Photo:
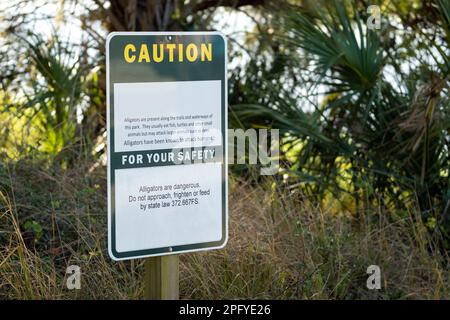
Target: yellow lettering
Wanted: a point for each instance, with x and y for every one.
(143, 54)
(167, 52)
(180, 52)
(126, 53)
(206, 51)
(157, 58)
(191, 52)
(170, 47)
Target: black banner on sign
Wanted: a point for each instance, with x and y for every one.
(167, 157)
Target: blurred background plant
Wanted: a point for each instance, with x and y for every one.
(379, 130)
(364, 116)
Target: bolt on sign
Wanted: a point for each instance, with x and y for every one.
(167, 116)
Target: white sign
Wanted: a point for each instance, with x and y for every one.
(167, 120)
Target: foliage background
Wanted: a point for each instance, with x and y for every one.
(364, 174)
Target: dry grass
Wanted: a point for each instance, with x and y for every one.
(281, 246)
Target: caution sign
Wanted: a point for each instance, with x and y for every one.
(167, 120)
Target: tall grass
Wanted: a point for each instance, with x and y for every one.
(282, 245)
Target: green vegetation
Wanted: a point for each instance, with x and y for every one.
(281, 246)
(364, 117)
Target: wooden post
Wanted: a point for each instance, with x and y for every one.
(162, 278)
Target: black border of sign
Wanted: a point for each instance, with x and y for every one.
(113, 253)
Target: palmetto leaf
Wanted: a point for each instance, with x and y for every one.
(444, 9)
(351, 63)
(56, 89)
(390, 136)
